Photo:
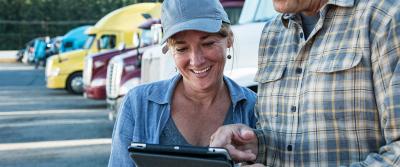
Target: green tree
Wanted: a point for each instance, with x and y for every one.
(23, 20)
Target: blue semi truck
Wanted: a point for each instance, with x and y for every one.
(74, 39)
(45, 47)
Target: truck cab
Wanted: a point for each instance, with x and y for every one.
(95, 70)
(119, 26)
(124, 70)
(74, 39)
(242, 68)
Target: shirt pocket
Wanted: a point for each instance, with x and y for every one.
(269, 78)
(270, 72)
(335, 75)
(331, 62)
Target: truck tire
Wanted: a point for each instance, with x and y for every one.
(75, 83)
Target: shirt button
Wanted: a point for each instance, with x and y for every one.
(301, 35)
(299, 70)
(289, 147)
(293, 109)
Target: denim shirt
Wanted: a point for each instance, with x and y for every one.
(146, 109)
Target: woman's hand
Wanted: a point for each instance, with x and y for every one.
(240, 141)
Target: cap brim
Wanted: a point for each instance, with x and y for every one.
(164, 49)
(210, 25)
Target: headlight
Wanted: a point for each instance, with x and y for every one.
(98, 64)
(129, 68)
(49, 66)
(98, 82)
(128, 85)
(53, 72)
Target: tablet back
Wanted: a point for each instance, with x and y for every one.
(150, 155)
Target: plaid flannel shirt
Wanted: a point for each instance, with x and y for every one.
(333, 99)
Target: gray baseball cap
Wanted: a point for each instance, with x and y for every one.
(201, 15)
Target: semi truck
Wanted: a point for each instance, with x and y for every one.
(74, 39)
(114, 29)
(95, 71)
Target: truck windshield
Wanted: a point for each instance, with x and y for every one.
(89, 41)
(257, 11)
(107, 41)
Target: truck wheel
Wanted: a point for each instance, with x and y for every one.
(75, 83)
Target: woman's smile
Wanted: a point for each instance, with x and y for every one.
(201, 72)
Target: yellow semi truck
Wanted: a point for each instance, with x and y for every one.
(118, 28)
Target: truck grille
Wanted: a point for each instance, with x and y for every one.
(87, 71)
(114, 73)
(148, 73)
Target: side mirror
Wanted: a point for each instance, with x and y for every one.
(138, 63)
(156, 31)
(136, 40)
(98, 45)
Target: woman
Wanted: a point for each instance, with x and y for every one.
(188, 108)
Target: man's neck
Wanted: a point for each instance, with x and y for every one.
(315, 7)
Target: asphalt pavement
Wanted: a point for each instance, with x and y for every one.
(44, 127)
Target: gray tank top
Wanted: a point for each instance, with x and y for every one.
(170, 135)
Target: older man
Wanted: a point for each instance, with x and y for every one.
(329, 87)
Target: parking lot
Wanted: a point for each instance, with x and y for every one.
(45, 127)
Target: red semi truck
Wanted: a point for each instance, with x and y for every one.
(95, 70)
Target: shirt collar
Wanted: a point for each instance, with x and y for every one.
(163, 94)
(342, 3)
(286, 17)
(159, 97)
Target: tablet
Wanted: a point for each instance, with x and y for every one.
(155, 155)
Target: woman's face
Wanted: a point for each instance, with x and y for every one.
(200, 58)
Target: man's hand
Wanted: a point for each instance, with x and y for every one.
(238, 139)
